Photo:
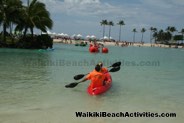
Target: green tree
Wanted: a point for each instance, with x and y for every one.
(8, 12)
(34, 15)
(120, 23)
(163, 37)
(151, 34)
(171, 29)
(182, 32)
(103, 23)
(110, 23)
(155, 35)
(143, 30)
(168, 29)
(134, 31)
(154, 31)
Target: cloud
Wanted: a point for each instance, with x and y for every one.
(135, 13)
(81, 2)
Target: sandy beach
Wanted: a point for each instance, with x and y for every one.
(122, 44)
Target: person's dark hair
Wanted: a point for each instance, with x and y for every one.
(101, 64)
(97, 67)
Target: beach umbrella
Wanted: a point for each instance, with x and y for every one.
(66, 35)
(105, 37)
(43, 33)
(93, 37)
(88, 37)
(49, 33)
(75, 37)
(61, 34)
(79, 36)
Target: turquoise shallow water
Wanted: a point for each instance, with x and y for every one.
(32, 84)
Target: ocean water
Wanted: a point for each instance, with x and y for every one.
(32, 85)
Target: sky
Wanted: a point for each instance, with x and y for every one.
(84, 16)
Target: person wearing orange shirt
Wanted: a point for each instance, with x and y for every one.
(96, 76)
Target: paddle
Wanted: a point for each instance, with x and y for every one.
(80, 76)
(115, 64)
(72, 85)
(115, 69)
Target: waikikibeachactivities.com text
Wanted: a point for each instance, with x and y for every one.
(84, 62)
(124, 114)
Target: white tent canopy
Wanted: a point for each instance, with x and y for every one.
(105, 37)
(79, 36)
(93, 37)
(88, 37)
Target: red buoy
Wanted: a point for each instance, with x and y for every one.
(105, 50)
(93, 49)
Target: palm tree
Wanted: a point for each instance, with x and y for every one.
(8, 11)
(142, 31)
(155, 36)
(120, 23)
(134, 31)
(171, 29)
(34, 15)
(151, 31)
(163, 37)
(103, 23)
(182, 32)
(168, 29)
(154, 31)
(110, 23)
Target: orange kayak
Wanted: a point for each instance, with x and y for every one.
(101, 89)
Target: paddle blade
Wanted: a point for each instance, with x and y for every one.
(80, 76)
(115, 69)
(72, 85)
(116, 64)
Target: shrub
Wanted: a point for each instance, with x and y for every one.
(36, 42)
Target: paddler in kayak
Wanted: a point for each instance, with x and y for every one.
(103, 69)
(97, 76)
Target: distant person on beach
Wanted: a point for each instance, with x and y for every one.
(117, 43)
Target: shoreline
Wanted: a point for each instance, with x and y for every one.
(121, 44)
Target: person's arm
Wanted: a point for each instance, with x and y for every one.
(85, 79)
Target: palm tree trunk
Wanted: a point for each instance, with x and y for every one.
(11, 27)
(150, 37)
(103, 31)
(4, 32)
(134, 37)
(25, 31)
(142, 38)
(109, 32)
(31, 29)
(4, 28)
(120, 33)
